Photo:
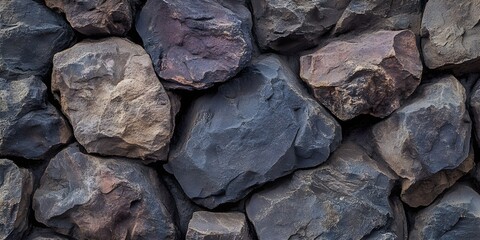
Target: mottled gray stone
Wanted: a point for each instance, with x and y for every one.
(218, 226)
(45, 234)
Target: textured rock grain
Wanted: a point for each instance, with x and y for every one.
(218, 226)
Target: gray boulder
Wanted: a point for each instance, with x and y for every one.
(218, 226)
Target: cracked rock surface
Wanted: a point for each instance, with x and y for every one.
(218, 226)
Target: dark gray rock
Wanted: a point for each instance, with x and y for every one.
(16, 188)
(30, 34)
(430, 133)
(88, 197)
(97, 17)
(218, 226)
(345, 198)
(30, 127)
(288, 26)
(256, 128)
(475, 109)
(450, 35)
(44, 234)
(456, 215)
(195, 44)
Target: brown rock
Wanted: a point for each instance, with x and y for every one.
(88, 197)
(372, 74)
(219, 226)
(113, 99)
(97, 17)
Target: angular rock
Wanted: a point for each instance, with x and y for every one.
(30, 127)
(256, 128)
(30, 34)
(372, 74)
(456, 215)
(289, 26)
(44, 234)
(195, 44)
(475, 108)
(219, 226)
(97, 17)
(109, 91)
(16, 188)
(345, 198)
(450, 35)
(88, 197)
(427, 135)
(371, 15)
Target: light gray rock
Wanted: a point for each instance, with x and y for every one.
(218, 226)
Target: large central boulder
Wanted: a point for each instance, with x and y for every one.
(256, 128)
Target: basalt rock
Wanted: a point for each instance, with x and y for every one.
(88, 197)
(30, 127)
(218, 226)
(195, 44)
(256, 128)
(97, 17)
(30, 34)
(427, 135)
(109, 91)
(372, 74)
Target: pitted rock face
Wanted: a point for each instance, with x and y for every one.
(195, 44)
(117, 106)
(88, 197)
(372, 74)
(430, 133)
(30, 34)
(97, 17)
(30, 127)
(256, 128)
(219, 226)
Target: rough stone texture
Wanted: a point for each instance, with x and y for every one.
(256, 128)
(380, 14)
(30, 127)
(117, 106)
(97, 17)
(450, 34)
(218, 226)
(345, 198)
(30, 34)
(15, 189)
(288, 26)
(195, 44)
(456, 215)
(371, 74)
(430, 133)
(88, 197)
(44, 234)
(475, 109)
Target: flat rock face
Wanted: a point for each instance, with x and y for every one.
(16, 188)
(288, 26)
(256, 128)
(219, 226)
(450, 34)
(30, 127)
(97, 17)
(372, 74)
(88, 197)
(456, 215)
(113, 99)
(44, 234)
(430, 133)
(345, 198)
(195, 44)
(30, 34)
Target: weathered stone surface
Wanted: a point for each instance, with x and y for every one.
(345, 198)
(44, 234)
(372, 74)
(256, 128)
(195, 44)
(450, 34)
(97, 17)
(15, 188)
(219, 226)
(30, 34)
(475, 108)
(117, 106)
(371, 15)
(88, 197)
(430, 133)
(456, 215)
(288, 26)
(30, 127)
